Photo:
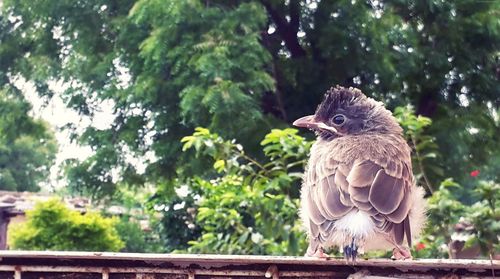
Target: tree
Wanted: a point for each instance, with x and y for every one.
(52, 226)
(27, 146)
(242, 67)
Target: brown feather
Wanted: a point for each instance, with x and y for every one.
(369, 171)
(407, 229)
(344, 169)
(378, 218)
(391, 168)
(322, 192)
(329, 198)
(359, 193)
(386, 192)
(372, 211)
(406, 173)
(387, 226)
(363, 173)
(399, 233)
(398, 215)
(340, 180)
(364, 206)
(313, 212)
(326, 228)
(314, 229)
(345, 198)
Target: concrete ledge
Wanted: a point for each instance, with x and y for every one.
(49, 264)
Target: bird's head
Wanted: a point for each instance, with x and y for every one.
(347, 111)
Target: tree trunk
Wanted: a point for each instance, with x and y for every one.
(427, 105)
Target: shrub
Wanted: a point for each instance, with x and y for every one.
(249, 207)
(53, 226)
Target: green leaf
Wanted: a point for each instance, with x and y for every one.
(219, 165)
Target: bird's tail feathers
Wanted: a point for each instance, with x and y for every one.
(418, 213)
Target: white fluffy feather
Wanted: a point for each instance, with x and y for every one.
(356, 223)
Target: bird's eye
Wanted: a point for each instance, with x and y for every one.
(338, 119)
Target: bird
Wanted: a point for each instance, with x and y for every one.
(358, 191)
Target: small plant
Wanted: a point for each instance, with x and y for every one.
(425, 150)
(450, 221)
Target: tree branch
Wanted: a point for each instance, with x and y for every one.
(287, 31)
(427, 105)
(277, 105)
(294, 8)
(279, 94)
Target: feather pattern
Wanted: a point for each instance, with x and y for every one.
(339, 180)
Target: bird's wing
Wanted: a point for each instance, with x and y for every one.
(326, 198)
(379, 188)
(382, 189)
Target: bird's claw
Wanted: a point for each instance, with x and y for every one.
(320, 254)
(401, 254)
(317, 254)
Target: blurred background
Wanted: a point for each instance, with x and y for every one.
(164, 126)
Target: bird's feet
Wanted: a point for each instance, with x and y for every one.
(320, 254)
(401, 253)
(317, 254)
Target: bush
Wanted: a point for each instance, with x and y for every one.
(246, 206)
(447, 213)
(52, 226)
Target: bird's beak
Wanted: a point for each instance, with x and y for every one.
(306, 122)
(310, 123)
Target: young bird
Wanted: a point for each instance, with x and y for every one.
(358, 191)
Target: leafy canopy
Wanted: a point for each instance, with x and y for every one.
(243, 67)
(27, 146)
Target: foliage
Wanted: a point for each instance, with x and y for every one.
(166, 65)
(425, 153)
(445, 211)
(134, 222)
(135, 239)
(52, 226)
(242, 67)
(485, 217)
(132, 236)
(27, 146)
(248, 207)
(174, 214)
